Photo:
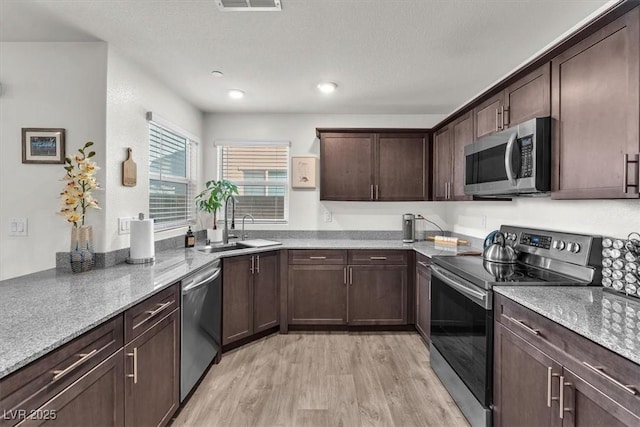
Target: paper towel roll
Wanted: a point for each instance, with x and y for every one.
(142, 245)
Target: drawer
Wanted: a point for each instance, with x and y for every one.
(317, 256)
(375, 257)
(33, 385)
(606, 371)
(423, 262)
(142, 316)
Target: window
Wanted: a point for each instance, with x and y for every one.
(171, 168)
(261, 172)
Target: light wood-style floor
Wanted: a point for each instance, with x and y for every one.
(323, 379)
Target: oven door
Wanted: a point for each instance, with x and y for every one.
(462, 330)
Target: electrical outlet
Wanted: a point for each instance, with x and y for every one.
(124, 225)
(327, 216)
(18, 227)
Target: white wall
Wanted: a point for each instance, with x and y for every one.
(306, 211)
(57, 85)
(607, 217)
(131, 93)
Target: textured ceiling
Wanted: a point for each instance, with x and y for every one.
(387, 56)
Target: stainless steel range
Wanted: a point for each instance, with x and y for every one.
(462, 305)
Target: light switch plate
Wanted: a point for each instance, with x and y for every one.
(124, 225)
(327, 216)
(18, 227)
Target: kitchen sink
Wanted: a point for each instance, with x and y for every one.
(217, 248)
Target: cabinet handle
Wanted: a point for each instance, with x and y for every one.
(161, 307)
(625, 172)
(258, 264)
(600, 371)
(524, 326)
(561, 398)
(135, 365)
(317, 257)
(424, 264)
(350, 276)
(497, 120)
(371, 192)
(57, 374)
(378, 258)
(550, 375)
(505, 122)
(252, 269)
(429, 290)
(377, 192)
(345, 275)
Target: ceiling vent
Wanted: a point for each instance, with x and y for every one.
(249, 5)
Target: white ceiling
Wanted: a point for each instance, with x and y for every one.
(387, 56)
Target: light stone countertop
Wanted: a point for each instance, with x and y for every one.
(608, 319)
(42, 311)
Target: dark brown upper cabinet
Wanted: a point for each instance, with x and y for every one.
(384, 165)
(528, 98)
(488, 116)
(596, 110)
(448, 159)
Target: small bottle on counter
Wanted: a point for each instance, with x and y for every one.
(189, 239)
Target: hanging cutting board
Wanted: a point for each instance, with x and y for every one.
(129, 171)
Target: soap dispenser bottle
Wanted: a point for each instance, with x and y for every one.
(189, 239)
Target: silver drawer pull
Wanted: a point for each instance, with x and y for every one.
(159, 309)
(524, 326)
(600, 371)
(57, 374)
(378, 258)
(550, 375)
(317, 257)
(135, 365)
(424, 264)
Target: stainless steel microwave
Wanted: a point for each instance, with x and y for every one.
(515, 161)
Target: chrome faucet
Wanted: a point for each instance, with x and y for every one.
(225, 232)
(245, 235)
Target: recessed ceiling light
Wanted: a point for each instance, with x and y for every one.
(236, 94)
(217, 73)
(327, 87)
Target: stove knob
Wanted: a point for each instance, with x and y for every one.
(558, 244)
(573, 247)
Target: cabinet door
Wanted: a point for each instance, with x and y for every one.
(488, 116)
(423, 300)
(585, 405)
(596, 112)
(529, 97)
(402, 169)
(346, 166)
(317, 295)
(462, 136)
(96, 399)
(266, 298)
(442, 164)
(525, 383)
(377, 295)
(237, 299)
(152, 366)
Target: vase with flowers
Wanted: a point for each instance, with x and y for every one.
(211, 199)
(76, 199)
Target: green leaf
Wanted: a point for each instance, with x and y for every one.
(88, 144)
(91, 154)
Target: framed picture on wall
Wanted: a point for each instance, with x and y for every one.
(303, 172)
(42, 145)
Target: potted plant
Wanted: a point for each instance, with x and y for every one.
(211, 199)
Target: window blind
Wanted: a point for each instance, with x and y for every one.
(261, 172)
(172, 163)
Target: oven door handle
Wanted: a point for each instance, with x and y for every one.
(463, 286)
(508, 163)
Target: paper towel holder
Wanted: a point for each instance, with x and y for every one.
(150, 260)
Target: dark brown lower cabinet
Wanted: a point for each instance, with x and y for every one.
(317, 295)
(250, 297)
(547, 375)
(377, 295)
(525, 385)
(152, 374)
(423, 297)
(93, 400)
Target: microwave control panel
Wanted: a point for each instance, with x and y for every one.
(526, 156)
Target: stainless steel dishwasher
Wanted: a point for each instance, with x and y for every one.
(200, 340)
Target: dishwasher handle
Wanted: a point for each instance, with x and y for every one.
(193, 286)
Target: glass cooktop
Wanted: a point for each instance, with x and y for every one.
(487, 274)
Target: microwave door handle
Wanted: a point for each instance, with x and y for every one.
(508, 164)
